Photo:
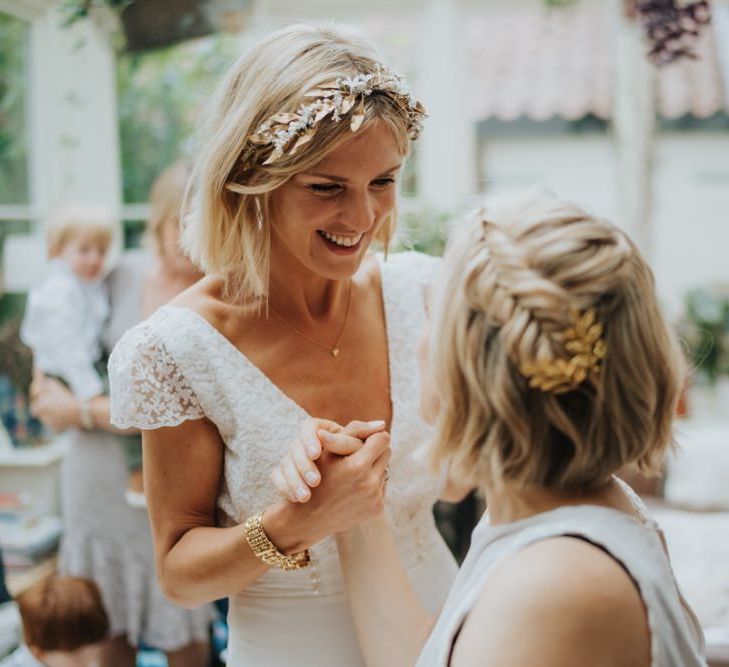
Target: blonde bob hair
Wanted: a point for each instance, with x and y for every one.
(227, 231)
(79, 221)
(514, 274)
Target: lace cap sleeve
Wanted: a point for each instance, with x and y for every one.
(148, 390)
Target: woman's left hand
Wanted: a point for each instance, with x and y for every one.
(297, 473)
(54, 404)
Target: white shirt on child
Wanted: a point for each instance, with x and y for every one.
(64, 318)
(21, 657)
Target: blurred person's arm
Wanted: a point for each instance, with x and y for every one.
(57, 407)
(391, 622)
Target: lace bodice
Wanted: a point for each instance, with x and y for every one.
(175, 366)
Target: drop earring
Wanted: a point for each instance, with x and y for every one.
(259, 214)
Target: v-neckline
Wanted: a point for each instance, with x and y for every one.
(276, 389)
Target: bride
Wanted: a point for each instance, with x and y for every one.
(296, 180)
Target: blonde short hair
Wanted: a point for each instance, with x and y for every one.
(513, 276)
(165, 201)
(222, 233)
(72, 222)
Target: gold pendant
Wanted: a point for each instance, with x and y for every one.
(335, 352)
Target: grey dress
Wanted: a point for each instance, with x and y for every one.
(637, 544)
(105, 539)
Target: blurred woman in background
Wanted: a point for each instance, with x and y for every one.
(105, 539)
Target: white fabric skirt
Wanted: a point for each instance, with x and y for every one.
(318, 631)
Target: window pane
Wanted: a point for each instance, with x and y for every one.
(160, 95)
(13, 100)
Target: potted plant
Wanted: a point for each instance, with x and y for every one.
(704, 332)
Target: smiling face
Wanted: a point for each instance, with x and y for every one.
(325, 218)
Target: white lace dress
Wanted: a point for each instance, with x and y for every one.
(176, 366)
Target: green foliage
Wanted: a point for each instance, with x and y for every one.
(705, 331)
(160, 96)
(13, 95)
(77, 10)
(425, 231)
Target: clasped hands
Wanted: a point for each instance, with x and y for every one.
(348, 465)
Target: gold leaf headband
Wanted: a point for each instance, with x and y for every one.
(584, 341)
(288, 132)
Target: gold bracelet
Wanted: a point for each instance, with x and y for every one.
(266, 550)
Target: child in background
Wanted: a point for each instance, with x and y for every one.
(64, 623)
(66, 312)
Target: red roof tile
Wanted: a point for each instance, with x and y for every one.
(561, 63)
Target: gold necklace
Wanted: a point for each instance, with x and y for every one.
(334, 351)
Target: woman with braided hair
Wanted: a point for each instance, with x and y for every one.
(548, 367)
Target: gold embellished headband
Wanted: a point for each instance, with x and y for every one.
(288, 132)
(585, 343)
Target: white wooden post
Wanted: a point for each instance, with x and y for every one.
(446, 151)
(72, 127)
(74, 135)
(634, 123)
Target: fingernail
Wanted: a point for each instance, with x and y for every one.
(302, 493)
(311, 477)
(312, 451)
(379, 423)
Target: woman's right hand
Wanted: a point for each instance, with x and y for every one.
(297, 472)
(351, 490)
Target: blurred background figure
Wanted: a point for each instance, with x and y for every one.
(64, 625)
(66, 313)
(104, 538)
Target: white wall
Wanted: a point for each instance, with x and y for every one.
(578, 168)
(691, 214)
(690, 244)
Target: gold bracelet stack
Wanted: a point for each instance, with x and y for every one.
(266, 550)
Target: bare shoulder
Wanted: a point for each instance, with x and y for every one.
(201, 296)
(558, 602)
(206, 299)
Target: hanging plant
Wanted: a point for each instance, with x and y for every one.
(154, 24)
(672, 27)
(78, 10)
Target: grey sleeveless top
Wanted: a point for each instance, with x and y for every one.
(636, 544)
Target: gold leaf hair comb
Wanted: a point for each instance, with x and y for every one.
(583, 340)
(288, 132)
